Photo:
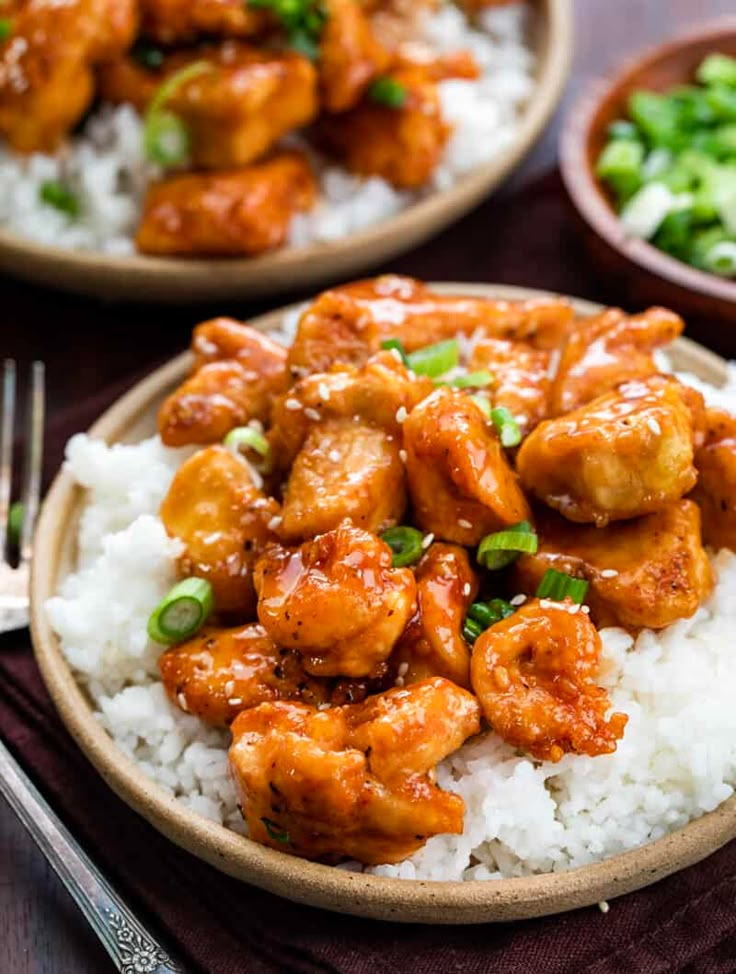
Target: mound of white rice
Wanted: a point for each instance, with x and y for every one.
(677, 759)
(108, 172)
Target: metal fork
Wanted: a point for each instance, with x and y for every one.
(131, 947)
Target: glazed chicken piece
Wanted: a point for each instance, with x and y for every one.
(715, 491)
(626, 453)
(645, 573)
(237, 372)
(520, 378)
(534, 676)
(344, 470)
(223, 519)
(336, 600)
(181, 21)
(350, 57)
(219, 672)
(379, 394)
(608, 349)
(401, 144)
(240, 212)
(347, 324)
(46, 64)
(460, 483)
(235, 109)
(352, 782)
(432, 644)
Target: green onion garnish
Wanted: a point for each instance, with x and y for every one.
(248, 437)
(301, 20)
(498, 550)
(165, 135)
(147, 54)
(721, 259)
(473, 380)
(406, 545)
(395, 344)
(718, 69)
(59, 196)
(388, 92)
(558, 586)
(182, 612)
(275, 831)
(506, 425)
(489, 613)
(435, 360)
(15, 522)
(6, 28)
(484, 404)
(471, 630)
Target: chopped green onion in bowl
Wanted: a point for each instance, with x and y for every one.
(406, 544)
(182, 612)
(558, 586)
(500, 549)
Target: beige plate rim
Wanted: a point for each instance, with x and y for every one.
(175, 280)
(296, 879)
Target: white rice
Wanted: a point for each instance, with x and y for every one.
(107, 170)
(677, 759)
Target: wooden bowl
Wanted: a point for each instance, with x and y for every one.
(643, 273)
(178, 281)
(132, 418)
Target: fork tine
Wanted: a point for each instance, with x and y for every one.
(33, 459)
(6, 449)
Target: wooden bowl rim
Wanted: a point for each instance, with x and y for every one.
(318, 885)
(583, 186)
(93, 272)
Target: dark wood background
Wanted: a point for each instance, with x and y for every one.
(88, 347)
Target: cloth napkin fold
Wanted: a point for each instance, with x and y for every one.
(686, 923)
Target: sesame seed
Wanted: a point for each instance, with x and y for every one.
(324, 706)
(400, 681)
(229, 688)
(585, 610)
(467, 589)
(609, 573)
(396, 354)
(275, 522)
(293, 404)
(312, 414)
(235, 701)
(403, 669)
(402, 455)
(427, 541)
(323, 390)
(334, 455)
(573, 609)
(654, 426)
(518, 600)
(401, 414)
(182, 701)
(464, 523)
(603, 906)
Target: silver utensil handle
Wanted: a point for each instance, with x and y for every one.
(131, 947)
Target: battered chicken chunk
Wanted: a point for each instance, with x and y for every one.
(520, 378)
(645, 573)
(214, 507)
(239, 212)
(716, 488)
(350, 57)
(627, 453)
(178, 21)
(608, 349)
(237, 372)
(46, 64)
(348, 324)
(460, 483)
(344, 470)
(336, 600)
(401, 144)
(432, 644)
(378, 394)
(352, 782)
(220, 672)
(534, 675)
(235, 109)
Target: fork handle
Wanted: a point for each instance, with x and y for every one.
(131, 947)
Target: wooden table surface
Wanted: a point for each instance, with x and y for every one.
(41, 931)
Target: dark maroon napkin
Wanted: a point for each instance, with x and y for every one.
(686, 923)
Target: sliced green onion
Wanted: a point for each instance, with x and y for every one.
(248, 437)
(484, 404)
(15, 522)
(558, 586)
(406, 545)
(302, 21)
(721, 259)
(182, 612)
(498, 550)
(147, 54)
(489, 613)
(165, 136)
(435, 360)
(6, 28)
(395, 344)
(275, 831)
(471, 630)
(473, 380)
(59, 196)
(620, 165)
(717, 69)
(621, 129)
(506, 426)
(388, 92)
